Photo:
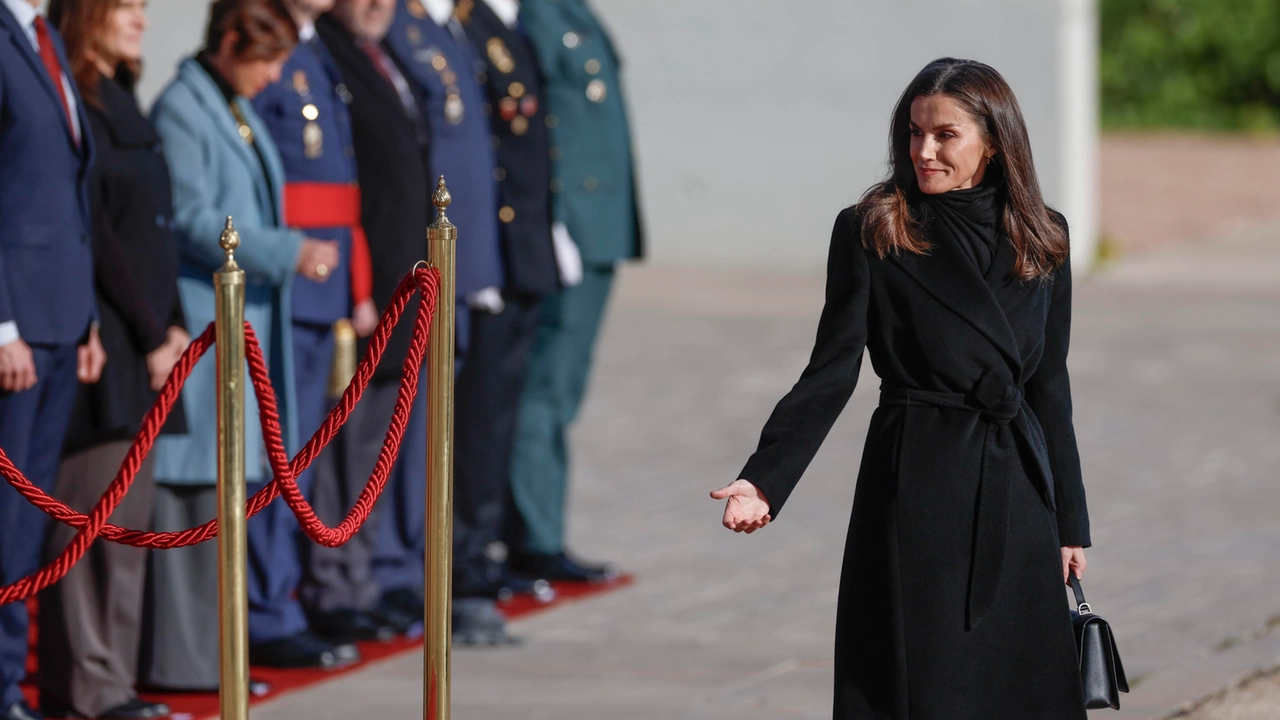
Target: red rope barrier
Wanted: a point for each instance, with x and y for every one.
(94, 525)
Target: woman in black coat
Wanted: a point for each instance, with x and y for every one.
(90, 622)
(969, 509)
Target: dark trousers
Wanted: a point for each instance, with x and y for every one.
(342, 577)
(33, 424)
(275, 557)
(553, 392)
(487, 402)
(400, 538)
(90, 622)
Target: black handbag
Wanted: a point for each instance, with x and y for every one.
(1101, 674)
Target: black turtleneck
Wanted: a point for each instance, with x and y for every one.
(970, 218)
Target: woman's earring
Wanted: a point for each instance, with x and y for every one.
(991, 159)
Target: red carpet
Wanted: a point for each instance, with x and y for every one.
(204, 706)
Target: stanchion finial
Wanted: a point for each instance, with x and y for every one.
(441, 198)
(229, 241)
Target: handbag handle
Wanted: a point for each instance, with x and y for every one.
(1082, 607)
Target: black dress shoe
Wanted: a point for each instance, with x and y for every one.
(303, 650)
(401, 623)
(21, 711)
(498, 582)
(136, 709)
(349, 626)
(477, 622)
(405, 601)
(559, 567)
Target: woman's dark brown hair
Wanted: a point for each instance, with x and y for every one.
(887, 223)
(264, 28)
(81, 22)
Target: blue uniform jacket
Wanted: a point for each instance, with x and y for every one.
(215, 173)
(308, 120)
(444, 67)
(46, 264)
(594, 172)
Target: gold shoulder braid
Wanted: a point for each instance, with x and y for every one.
(246, 132)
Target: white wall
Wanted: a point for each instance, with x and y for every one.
(756, 122)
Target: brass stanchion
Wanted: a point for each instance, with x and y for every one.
(442, 239)
(233, 599)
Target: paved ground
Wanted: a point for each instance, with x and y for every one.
(1176, 369)
(1163, 189)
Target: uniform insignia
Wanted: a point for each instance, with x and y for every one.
(507, 108)
(529, 106)
(454, 110)
(597, 91)
(500, 55)
(300, 82)
(312, 140)
(516, 90)
(414, 35)
(439, 61)
(310, 111)
(416, 8)
(520, 125)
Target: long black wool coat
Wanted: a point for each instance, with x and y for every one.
(952, 604)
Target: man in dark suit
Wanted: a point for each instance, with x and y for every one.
(492, 378)
(390, 134)
(48, 339)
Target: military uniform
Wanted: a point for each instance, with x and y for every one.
(307, 117)
(440, 61)
(594, 195)
(492, 379)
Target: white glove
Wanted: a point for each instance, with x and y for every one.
(568, 257)
(489, 300)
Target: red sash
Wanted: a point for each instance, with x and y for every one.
(325, 205)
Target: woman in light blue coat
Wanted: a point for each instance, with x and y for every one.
(223, 163)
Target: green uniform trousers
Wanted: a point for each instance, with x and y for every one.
(554, 388)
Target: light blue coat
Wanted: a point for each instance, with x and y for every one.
(215, 174)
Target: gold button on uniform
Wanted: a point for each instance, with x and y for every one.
(592, 67)
(571, 40)
(506, 214)
(520, 125)
(591, 184)
(516, 90)
(597, 91)
(439, 62)
(310, 111)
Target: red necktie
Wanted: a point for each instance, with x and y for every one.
(54, 68)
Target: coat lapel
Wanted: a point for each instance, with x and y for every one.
(950, 278)
(270, 159)
(18, 36)
(211, 97)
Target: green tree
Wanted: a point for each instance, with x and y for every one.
(1190, 63)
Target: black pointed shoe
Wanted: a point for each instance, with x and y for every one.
(560, 567)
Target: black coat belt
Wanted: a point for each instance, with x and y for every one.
(1010, 423)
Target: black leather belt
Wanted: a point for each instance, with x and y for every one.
(1011, 421)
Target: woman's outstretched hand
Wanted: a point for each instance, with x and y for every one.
(747, 509)
(1073, 559)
